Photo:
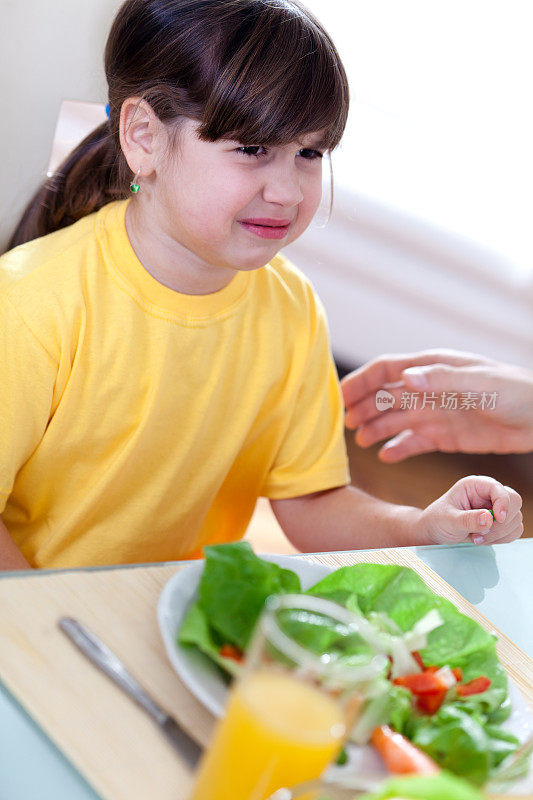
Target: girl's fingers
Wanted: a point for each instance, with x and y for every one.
(500, 533)
(481, 489)
(476, 522)
(499, 498)
(505, 510)
(464, 512)
(515, 501)
(515, 533)
(500, 510)
(511, 537)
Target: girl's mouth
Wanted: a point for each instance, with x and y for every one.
(266, 231)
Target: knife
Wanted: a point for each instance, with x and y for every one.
(104, 658)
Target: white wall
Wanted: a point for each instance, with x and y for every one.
(394, 283)
(50, 50)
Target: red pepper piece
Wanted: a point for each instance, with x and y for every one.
(231, 651)
(428, 687)
(457, 671)
(418, 658)
(475, 686)
(431, 702)
(426, 682)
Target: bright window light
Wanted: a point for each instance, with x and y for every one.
(441, 120)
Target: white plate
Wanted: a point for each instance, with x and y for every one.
(204, 680)
(195, 669)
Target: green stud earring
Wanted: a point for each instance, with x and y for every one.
(134, 186)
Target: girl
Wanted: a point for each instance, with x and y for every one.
(163, 365)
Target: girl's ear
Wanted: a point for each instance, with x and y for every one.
(140, 135)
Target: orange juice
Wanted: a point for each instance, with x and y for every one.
(277, 731)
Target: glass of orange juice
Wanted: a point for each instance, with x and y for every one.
(294, 703)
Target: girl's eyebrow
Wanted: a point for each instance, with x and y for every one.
(318, 141)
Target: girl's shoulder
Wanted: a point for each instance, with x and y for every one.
(47, 283)
(48, 261)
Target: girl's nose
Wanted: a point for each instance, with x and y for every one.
(283, 187)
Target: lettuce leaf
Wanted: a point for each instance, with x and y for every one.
(421, 787)
(462, 743)
(195, 631)
(233, 588)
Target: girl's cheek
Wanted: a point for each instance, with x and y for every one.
(210, 224)
(316, 194)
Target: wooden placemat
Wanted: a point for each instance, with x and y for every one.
(105, 735)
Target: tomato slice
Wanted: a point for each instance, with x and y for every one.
(475, 686)
(458, 673)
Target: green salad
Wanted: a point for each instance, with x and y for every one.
(426, 638)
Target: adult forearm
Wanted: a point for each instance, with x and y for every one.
(11, 557)
(348, 519)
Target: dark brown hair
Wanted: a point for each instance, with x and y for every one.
(262, 72)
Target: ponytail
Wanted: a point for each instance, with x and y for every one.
(89, 177)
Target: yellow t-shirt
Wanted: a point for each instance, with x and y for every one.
(138, 424)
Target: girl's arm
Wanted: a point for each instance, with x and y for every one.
(347, 518)
(10, 555)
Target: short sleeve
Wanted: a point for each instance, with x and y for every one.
(312, 456)
(28, 375)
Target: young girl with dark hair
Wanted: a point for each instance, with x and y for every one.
(163, 365)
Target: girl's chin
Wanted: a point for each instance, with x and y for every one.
(252, 264)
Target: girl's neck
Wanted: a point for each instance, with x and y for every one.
(168, 261)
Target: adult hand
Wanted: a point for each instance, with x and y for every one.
(443, 400)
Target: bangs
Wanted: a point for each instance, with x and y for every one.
(278, 76)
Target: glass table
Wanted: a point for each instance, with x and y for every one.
(497, 580)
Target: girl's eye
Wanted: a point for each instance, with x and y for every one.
(245, 150)
(309, 155)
